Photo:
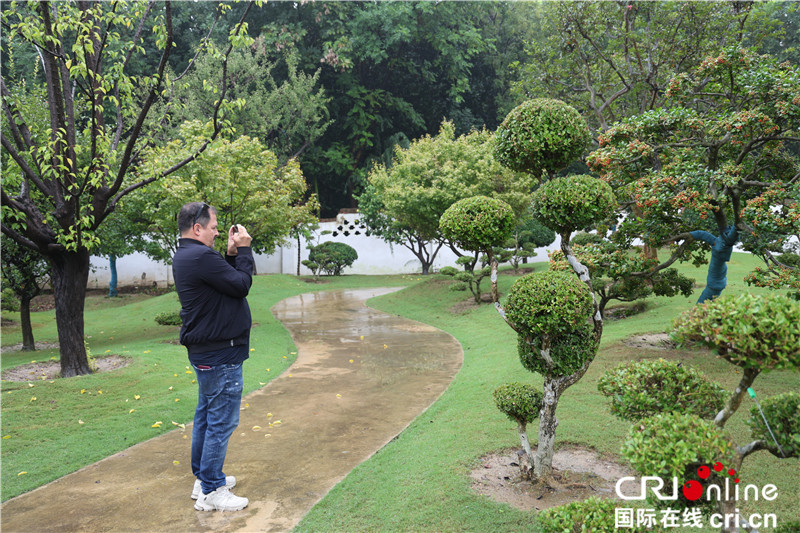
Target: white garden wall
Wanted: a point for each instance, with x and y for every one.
(375, 256)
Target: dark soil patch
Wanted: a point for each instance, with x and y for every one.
(315, 281)
(579, 473)
(521, 271)
(42, 370)
(619, 312)
(469, 304)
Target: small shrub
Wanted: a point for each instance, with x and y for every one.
(9, 300)
(169, 318)
(783, 414)
(674, 444)
(518, 401)
(594, 515)
(641, 389)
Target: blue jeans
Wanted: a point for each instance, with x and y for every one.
(217, 415)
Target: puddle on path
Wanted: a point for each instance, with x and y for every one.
(333, 414)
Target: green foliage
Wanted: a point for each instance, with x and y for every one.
(527, 236)
(593, 515)
(520, 402)
(788, 527)
(646, 388)
(621, 274)
(568, 352)
(541, 137)
(9, 300)
(169, 318)
(674, 444)
(660, 164)
(570, 203)
(584, 238)
(783, 414)
(548, 303)
(752, 331)
(404, 200)
(478, 223)
(332, 257)
(241, 179)
(469, 278)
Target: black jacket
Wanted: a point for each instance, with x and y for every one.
(212, 291)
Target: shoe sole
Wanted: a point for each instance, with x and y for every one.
(199, 507)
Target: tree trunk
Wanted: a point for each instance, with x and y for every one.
(543, 458)
(69, 275)
(425, 267)
(112, 283)
(495, 292)
(28, 344)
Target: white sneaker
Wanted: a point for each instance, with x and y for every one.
(230, 482)
(221, 499)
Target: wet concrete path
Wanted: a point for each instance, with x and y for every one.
(360, 378)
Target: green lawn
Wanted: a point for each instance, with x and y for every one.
(419, 481)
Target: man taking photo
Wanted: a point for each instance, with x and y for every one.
(216, 332)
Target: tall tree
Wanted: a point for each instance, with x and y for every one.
(612, 60)
(73, 166)
(718, 166)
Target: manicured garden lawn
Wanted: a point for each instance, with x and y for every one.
(418, 482)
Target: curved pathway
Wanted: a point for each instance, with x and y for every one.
(360, 378)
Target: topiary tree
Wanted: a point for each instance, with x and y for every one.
(541, 137)
(25, 274)
(330, 257)
(479, 224)
(550, 313)
(755, 333)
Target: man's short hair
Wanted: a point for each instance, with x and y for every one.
(194, 213)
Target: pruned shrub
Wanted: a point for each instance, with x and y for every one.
(569, 352)
(645, 388)
(758, 332)
(518, 401)
(478, 223)
(551, 303)
(783, 414)
(169, 318)
(674, 445)
(573, 202)
(541, 136)
(594, 515)
(330, 257)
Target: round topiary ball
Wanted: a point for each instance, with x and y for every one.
(541, 135)
(478, 223)
(573, 202)
(568, 352)
(518, 401)
(548, 303)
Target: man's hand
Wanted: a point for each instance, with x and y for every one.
(237, 236)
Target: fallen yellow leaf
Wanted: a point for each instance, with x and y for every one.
(136, 396)
(338, 395)
(188, 372)
(99, 392)
(256, 428)
(30, 384)
(268, 435)
(351, 360)
(176, 462)
(22, 473)
(269, 415)
(177, 399)
(80, 421)
(157, 424)
(170, 388)
(146, 351)
(175, 375)
(33, 398)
